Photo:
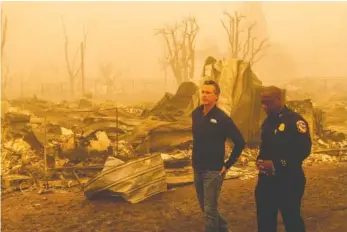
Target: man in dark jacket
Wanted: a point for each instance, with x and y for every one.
(285, 144)
(211, 127)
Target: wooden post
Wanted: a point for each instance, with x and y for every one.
(45, 153)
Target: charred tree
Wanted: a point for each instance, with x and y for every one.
(73, 69)
(109, 76)
(6, 75)
(242, 48)
(180, 43)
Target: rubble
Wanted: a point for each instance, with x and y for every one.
(16, 182)
(160, 136)
(321, 158)
(177, 159)
(123, 150)
(172, 107)
(333, 89)
(183, 176)
(18, 158)
(100, 144)
(98, 137)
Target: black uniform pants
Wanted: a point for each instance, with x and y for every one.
(280, 193)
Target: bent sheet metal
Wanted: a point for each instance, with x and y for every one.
(134, 181)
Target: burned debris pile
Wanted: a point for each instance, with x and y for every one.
(43, 140)
(91, 144)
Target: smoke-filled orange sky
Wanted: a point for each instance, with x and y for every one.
(310, 38)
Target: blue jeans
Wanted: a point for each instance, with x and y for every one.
(208, 185)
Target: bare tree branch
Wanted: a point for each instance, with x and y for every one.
(180, 42)
(225, 28)
(164, 33)
(5, 71)
(233, 32)
(106, 74)
(191, 37)
(66, 47)
(84, 42)
(72, 70)
(85, 33)
(246, 45)
(230, 31)
(255, 51)
(237, 32)
(257, 60)
(170, 35)
(236, 43)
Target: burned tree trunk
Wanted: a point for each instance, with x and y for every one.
(106, 71)
(73, 71)
(191, 36)
(5, 71)
(251, 52)
(3, 36)
(110, 76)
(180, 43)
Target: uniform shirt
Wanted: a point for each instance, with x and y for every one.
(209, 135)
(285, 139)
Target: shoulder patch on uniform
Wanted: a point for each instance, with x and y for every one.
(281, 127)
(301, 125)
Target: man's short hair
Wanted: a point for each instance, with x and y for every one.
(273, 91)
(215, 84)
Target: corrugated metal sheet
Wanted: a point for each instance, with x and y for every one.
(134, 181)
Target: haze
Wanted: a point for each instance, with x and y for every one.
(310, 38)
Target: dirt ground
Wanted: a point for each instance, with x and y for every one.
(324, 208)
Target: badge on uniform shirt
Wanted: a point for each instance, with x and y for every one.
(212, 120)
(282, 127)
(301, 125)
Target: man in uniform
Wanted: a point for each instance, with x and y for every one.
(210, 127)
(285, 144)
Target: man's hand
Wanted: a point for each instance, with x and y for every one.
(223, 171)
(265, 166)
